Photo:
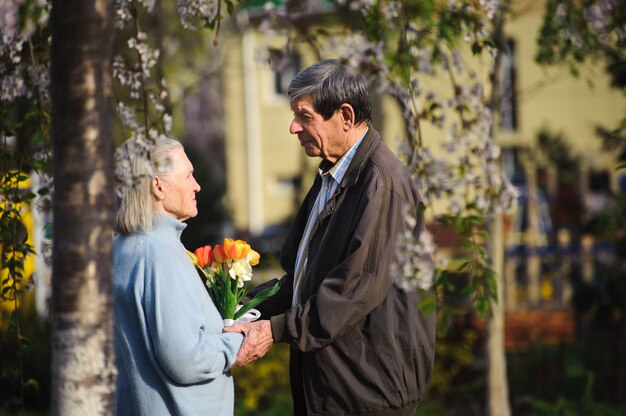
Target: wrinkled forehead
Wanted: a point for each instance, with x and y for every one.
(302, 104)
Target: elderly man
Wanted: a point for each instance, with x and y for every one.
(358, 343)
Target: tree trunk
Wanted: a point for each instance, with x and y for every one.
(83, 371)
(497, 382)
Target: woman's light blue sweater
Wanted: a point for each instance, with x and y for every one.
(172, 357)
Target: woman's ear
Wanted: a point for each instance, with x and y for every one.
(347, 115)
(157, 188)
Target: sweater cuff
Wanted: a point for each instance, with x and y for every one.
(278, 327)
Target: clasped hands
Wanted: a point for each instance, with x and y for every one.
(257, 340)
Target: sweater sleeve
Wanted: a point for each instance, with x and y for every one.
(188, 346)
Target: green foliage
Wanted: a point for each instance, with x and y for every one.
(15, 252)
(454, 352)
(470, 273)
(614, 141)
(25, 385)
(262, 388)
(24, 128)
(580, 406)
(574, 32)
(557, 150)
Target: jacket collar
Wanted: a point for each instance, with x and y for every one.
(171, 225)
(370, 142)
(367, 146)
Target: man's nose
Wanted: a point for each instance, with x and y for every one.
(295, 127)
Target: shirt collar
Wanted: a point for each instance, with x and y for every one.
(338, 170)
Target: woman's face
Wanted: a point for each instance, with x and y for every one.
(179, 188)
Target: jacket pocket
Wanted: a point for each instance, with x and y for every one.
(349, 339)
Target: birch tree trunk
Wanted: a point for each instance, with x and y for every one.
(83, 372)
(497, 383)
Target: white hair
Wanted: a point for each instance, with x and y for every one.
(136, 210)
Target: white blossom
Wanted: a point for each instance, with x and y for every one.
(191, 11)
(12, 86)
(127, 116)
(167, 123)
(491, 7)
(148, 56)
(415, 266)
(9, 17)
(39, 79)
(240, 271)
(122, 13)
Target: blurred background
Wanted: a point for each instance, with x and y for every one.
(565, 243)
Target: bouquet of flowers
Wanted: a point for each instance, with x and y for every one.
(226, 268)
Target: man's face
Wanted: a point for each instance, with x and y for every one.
(319, 137)
(180, 188)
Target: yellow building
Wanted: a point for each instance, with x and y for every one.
(14, 290)
(267, 170)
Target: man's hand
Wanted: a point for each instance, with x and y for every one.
(257, 340)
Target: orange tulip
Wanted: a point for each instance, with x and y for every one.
(218, 253)
(204, 255)
(253, 257)
(208, 255)
(198, 253)
(236, 250)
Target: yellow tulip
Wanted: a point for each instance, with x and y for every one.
(253, 257)
(236, 250)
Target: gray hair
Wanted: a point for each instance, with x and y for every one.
(136, 209)
(330, 84)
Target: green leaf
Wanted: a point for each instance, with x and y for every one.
(428, 304)
(37, 164)
(230, 7)
(262, 296)
(468, 290)
(465, 266)
(489, 43)
(484, 235)
(32, 384)
(482, 306)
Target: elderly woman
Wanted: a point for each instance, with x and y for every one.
(172, 357)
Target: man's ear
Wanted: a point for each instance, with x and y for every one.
(157, 188)
(347, 116)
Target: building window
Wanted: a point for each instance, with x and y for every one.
(508, 103)
(283, 76)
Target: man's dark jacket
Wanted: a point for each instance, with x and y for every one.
(358, 344)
